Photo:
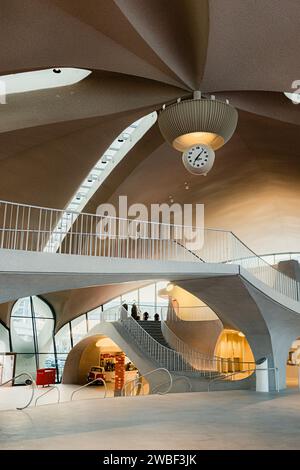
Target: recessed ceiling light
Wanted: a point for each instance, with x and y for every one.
(42, 79)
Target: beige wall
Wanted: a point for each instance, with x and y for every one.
(187, 306)
(200, 327)
(231, 345)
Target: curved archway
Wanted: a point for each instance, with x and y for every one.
(101, 353)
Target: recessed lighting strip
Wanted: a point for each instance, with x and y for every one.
(105, 165)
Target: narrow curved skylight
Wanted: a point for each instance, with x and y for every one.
(294, 97)
(41, 79)
(107, 162)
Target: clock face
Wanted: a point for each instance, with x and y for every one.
(198, 159)
(197, 156)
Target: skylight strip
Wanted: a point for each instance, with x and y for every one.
(42, 79)
(84, 193)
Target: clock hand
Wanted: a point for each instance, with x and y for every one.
(198, 155)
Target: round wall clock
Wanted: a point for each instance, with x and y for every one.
(198, 159)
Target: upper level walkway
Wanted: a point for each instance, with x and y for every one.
(245, 292)
(96, 250)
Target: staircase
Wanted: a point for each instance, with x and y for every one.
(153, 328)
(149, 338)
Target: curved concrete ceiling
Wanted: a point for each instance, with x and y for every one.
(144, 53)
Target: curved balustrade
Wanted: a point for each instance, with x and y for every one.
(198, 360)
(137, 381)
(171, 359)
(29, 228)
(164, 357)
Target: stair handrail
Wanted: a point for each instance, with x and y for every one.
(175, 379)
(164, 353)
(226, 376)
(53, 387)
(191, 355)
(180, 346)
(86, 385)
(137, 380)
(33, 385)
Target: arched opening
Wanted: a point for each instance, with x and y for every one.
(293, 365)
(99, 357)
(233, 346)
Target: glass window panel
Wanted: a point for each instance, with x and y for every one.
(22, 308)
(94, 317)
(41, 309)
(282, 257)
(147, 295)
(61, 360)
(79, 328)
(25, 363)
(22, 335)
(150, 309)
(112, 303)
(63, 339)
(130, 297)
(4, 339)
(44, 332)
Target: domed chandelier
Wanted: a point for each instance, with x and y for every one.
(197, 127)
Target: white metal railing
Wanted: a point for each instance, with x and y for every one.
(137, 381)
(190, 355)
(245, 373)
(89, 383)
(54, 387)
(165, 357)
(176, 379)
(275, 258)
(29, 228)
(32, 383)
(201, 361)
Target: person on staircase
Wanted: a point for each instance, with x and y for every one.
(134, 311)
(145, 316)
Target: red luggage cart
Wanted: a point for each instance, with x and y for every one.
(45, 376)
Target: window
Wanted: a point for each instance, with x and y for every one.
(94, 317)
(4, 339)
(63, 339)
(32, 326)
(79, 328)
